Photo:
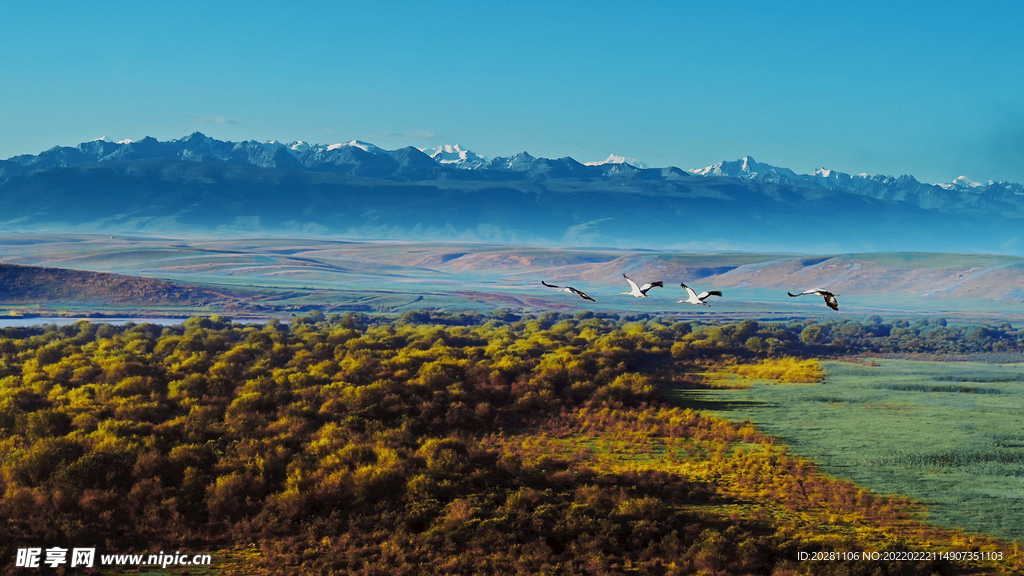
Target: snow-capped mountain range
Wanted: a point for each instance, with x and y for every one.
(902, 188)
(355, 155)
(749, 169)
(357, 189)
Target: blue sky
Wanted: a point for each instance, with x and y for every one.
(930, 89)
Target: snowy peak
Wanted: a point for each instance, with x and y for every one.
(966, 182)
(828, 178)
(745, 167)
(364, 146)
(613, 159)
(455, 156)
(963, 183)
(300, 148)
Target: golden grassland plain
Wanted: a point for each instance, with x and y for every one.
(436, 444)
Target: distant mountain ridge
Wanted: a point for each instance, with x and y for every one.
(355, 189)
(961, 193)
(351, 157)
(362, 158)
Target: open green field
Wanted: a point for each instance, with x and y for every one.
(948, 434)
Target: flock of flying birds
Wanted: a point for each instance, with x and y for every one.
(692, 297)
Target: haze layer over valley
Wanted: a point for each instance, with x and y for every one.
(264, 278)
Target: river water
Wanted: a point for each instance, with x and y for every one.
(14, 322)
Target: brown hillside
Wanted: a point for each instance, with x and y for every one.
(35, 284)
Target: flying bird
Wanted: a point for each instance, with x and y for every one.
(640, 291)
(830, 298)
(694, 298)
(569, 289)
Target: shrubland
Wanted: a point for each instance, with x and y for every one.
(437, 444)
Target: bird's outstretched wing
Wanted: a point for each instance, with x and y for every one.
(581, 294)
(650, 285)
(704, 295)
(569, 289)
(632, 284)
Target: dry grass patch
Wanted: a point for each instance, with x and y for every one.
(789, 370)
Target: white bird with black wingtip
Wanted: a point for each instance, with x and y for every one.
(569, 289)
(694, 298)
(641, 291)
(830, 298)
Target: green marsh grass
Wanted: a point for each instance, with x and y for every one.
(947, 434)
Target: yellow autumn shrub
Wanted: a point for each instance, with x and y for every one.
(787, 369)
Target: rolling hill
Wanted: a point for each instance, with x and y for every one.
(36, 284)
(275, 277)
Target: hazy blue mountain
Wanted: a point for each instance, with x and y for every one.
(538, 167)
(961, 195)
(202, 185)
